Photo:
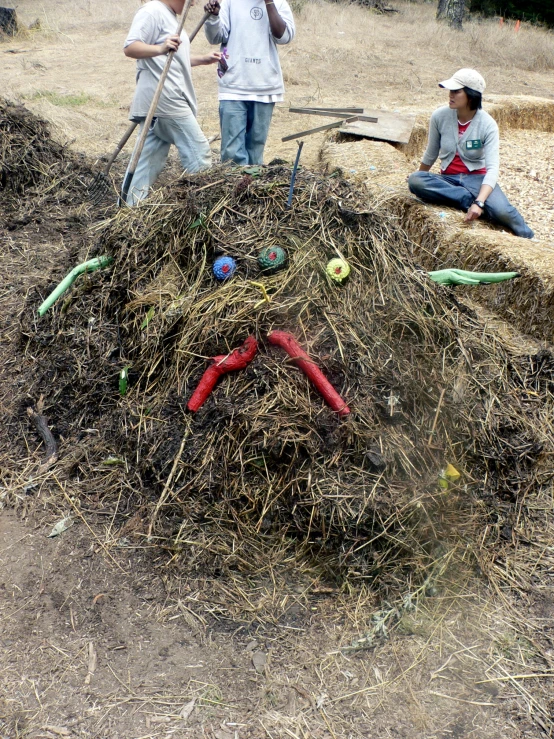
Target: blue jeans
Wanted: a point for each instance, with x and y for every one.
(244, 129)
(460, 190)
(192, 145)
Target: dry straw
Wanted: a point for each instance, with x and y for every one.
(29, 158)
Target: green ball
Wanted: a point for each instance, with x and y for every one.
(338, 269)
(272, 258)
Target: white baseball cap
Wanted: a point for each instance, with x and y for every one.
(465, 78)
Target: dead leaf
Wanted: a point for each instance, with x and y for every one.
(187, 709)
(304, 694)
(58, 730)
(61, 526)
(221, 734)
(259, 660)
(159, 719)
(91, 663)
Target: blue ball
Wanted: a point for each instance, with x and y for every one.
(224, 267)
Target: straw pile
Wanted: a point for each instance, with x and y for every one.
(264, 461)
(265, 470)
(31, 161)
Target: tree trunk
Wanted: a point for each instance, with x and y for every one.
(441, 10)
(455, 13)
(8, 22)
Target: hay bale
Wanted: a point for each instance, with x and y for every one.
(526, 112)
(418, 140)
(526, 302)
(365, 162)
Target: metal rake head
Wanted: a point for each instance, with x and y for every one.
(100, 186)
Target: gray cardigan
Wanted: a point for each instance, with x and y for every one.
(478, 147)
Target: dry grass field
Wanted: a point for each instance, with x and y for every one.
(100, 638)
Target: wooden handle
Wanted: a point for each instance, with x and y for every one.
(199, 26)
(126, 136)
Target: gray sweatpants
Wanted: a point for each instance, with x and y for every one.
(186, 135)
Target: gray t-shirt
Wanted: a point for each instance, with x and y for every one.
(152, 24)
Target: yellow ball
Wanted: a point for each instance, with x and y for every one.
(338, 269)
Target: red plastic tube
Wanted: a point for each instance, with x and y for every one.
(238, 359)
(287, 342)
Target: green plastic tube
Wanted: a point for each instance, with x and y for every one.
(463, 277)
(68, 280)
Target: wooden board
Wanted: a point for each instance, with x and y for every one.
(335, 114)
(326, 111)
(395, 127)
(310, 131)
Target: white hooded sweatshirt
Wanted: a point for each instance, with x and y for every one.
(242, 28)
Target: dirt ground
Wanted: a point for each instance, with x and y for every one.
(104, 640)
(113, 647)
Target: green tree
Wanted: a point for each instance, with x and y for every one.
(541, 11)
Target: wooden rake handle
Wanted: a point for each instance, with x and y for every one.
(198, 26)
(153, 105)
(126, 136)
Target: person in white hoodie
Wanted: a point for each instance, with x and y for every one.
(250, 77)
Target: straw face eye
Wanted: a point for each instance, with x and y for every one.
(272, 258)
(224, 267)
(338, 269)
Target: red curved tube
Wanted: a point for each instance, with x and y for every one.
(236, 360)
(287, 342)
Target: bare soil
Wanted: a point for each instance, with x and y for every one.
(108, 641)
(115, 647)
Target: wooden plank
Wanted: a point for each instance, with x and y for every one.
(395, 127)
(320, 111)
(311, 111)
(327, 127)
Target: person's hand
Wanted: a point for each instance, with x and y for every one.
(473, 213)
(171, 43)
(212, 7)
(213, 58)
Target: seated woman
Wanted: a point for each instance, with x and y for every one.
(465, 138)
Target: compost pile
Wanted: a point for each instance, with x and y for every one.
(32, 163)
(265, 460)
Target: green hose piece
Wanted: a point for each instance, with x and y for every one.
(463, 277)
(68, 280)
